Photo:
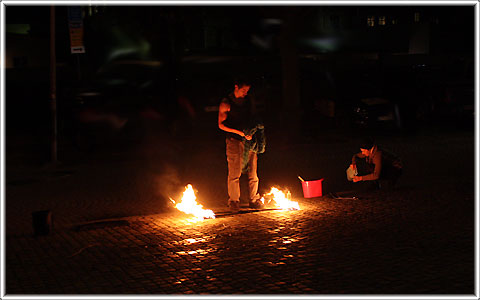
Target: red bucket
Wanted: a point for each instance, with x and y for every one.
(312, 189)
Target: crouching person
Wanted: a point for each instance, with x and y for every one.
(374, 164)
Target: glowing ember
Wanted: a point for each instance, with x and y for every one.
(189, 205)
(281, 200)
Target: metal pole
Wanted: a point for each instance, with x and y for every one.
(79, 70)
(53, 86)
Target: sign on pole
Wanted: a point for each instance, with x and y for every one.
(75, 25)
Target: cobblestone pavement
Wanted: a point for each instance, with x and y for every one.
(365, 246)
(417, 239)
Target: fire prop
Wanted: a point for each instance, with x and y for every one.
(281, 200)
(189, 205)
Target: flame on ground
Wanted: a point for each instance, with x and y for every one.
(281, 200)
(189, 205)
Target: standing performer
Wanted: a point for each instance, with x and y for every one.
(236, 117)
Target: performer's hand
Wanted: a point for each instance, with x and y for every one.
(248, 137)
(354, 167)
(357, 178)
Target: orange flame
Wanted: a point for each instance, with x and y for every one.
(281, 200)
(189, 205)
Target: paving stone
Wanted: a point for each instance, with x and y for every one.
(414, 240)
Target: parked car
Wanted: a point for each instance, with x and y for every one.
(118, 96)
(376, 112)
(429, 94)
(364, 103)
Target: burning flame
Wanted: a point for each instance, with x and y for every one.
(281, 200)
(189, 205)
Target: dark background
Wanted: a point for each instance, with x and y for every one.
(310, 66)
(137, 121)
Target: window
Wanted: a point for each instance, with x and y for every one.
(394, 21)
(417, 17)
(381, 20)
(371, 21)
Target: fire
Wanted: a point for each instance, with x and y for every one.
(189, 205)
(281, 200)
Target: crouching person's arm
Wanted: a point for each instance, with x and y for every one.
(377, 161)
